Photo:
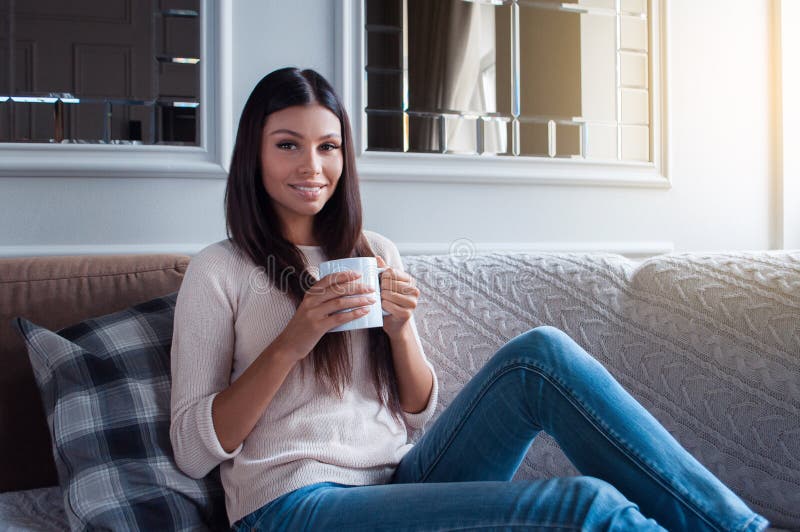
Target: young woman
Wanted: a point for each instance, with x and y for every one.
(312, 430)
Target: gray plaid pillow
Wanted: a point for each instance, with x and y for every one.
(105, 385)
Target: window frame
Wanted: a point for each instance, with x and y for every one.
(208, 160)
(490, 169)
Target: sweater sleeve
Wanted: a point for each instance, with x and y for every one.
(415, 421)
(201, 359)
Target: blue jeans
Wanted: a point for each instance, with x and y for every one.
(637, 477)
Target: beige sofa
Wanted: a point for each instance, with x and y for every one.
(709, 343)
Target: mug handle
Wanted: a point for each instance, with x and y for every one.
(380, 271)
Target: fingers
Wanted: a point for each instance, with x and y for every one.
(393, 274)
(400, 300)
(404, 284)
(341, 290)
(336, 284)
(398, 287)
(338, 318)
(398, 311)
(338, 278)
(396, 275)
(346, 302)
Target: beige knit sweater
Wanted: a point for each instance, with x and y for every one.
(226, 314)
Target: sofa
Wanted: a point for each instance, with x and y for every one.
(709, 343)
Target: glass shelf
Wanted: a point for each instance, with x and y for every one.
(183, 13)
(162, 58)
(383, 28)
(70, 99)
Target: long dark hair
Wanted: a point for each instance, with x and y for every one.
(254, 227)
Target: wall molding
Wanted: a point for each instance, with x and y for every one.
(209, 160)
(460, 247)
(97, 249)
(435, 168)
(464, 247)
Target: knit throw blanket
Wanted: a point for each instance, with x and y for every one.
(708, 343)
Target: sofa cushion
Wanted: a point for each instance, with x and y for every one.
(36, 509)
(708, 343)
(56, 291)
(105, 385)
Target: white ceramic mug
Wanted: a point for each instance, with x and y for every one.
(370, 276)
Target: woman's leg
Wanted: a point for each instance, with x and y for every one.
(543, 380)
(575, 503)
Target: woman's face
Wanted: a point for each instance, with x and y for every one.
(301, 146)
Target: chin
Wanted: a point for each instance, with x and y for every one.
(314, 208)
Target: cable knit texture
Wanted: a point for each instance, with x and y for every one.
(227, 312)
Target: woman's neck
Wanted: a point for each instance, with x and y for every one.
(304, 238)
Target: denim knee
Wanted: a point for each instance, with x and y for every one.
(546, 335)
(541, 345)
(552, 352)
(602, 494)
(607, 508)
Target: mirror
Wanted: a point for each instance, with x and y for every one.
(100, 71)
(509, 78)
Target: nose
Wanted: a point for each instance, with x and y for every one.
(311, 164)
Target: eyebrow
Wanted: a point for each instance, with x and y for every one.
(296, 134)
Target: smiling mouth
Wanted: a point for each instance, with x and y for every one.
(309, 193)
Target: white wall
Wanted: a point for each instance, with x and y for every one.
(721, 160)
(789, 107)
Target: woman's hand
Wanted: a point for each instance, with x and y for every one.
(315, 315)
(399, 296)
